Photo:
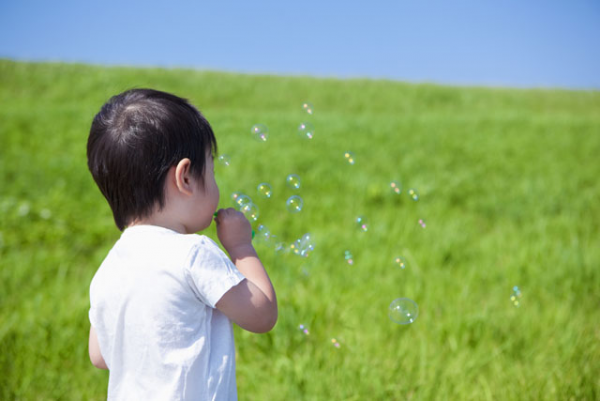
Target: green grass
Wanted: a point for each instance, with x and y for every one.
(509, 188)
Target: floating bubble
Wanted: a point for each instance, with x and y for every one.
(362, 223)
(515, 298)
(422, 223)
(265, 190)
(306, 130)
(307, 245)
(224, 160)
(294, 204)
(250, 210)
(396, 187)
(403, 311)
(303, 246)
(348, 257)
(263, 233)
(260, 132)
(349, 156)
(293, 181)
(280, 247)
(308, 107)
(335, 343)
(240, 200)
(414, 195)
(399, 262)
(304, 329)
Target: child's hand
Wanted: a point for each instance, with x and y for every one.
(233, 229)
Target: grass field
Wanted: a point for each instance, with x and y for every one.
(509, 189)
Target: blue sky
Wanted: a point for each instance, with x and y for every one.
(513, 43)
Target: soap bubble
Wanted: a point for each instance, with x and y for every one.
(224, 160)
(396, 187)
(413, 194)
(303, 246)
(240, 200)
(362, 223)
(263, 233)
(294, 204)
(293, 181)
(304, 329)
(335, 343)
(349, 156)
(250, 210)
(306, 130)
(422, 223)
(265, 190)
(403, 311)
(348, 257)
(308, 107)
(260, 132)
(515, 298)
(399, 262)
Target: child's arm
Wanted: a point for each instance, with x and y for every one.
(94, 350)
(251, 304)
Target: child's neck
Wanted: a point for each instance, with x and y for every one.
(160, 220)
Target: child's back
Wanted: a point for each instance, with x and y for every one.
(163, 300)
(153, 303)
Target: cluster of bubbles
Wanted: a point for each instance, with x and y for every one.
(304, 330)
(250, 210)
(303, 246)
(245, 205)
(401, 310)
(515, 298)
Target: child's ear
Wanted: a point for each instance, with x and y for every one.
(183, 177)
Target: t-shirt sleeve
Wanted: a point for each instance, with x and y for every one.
(210, 272)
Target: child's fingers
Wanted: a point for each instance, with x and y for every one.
(224, 213)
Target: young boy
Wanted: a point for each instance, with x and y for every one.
(163, 300)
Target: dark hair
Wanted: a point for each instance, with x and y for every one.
(135, 139)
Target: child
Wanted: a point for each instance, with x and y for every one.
(163, 300)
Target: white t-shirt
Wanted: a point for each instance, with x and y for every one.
(153, 308)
